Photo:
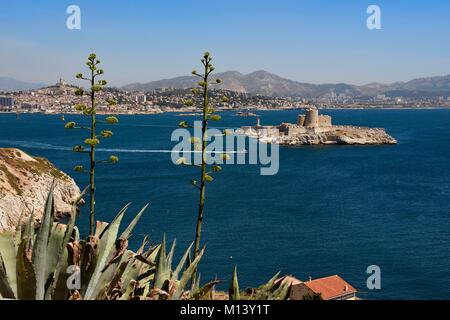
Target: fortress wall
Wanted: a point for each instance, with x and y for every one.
(347, 127)
(322, 129)
(296, 130)
(325, 121)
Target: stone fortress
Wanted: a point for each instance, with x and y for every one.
(313, 128)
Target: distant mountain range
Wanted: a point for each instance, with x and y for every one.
(268, 84)
(10, 84)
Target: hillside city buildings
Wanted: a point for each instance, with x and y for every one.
(61, 98)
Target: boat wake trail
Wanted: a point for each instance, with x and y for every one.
(47, 146)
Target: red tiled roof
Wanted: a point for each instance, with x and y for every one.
(330, 287)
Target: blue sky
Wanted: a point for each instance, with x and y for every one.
(315, 41)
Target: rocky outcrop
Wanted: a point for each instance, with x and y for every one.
(24, 185)
(313, 128)
(345, 135)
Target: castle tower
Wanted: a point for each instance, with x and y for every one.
(301, 120)
(312, 118)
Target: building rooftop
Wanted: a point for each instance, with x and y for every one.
(330, 287)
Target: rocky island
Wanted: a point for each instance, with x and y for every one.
(314, 129)
(24, 185)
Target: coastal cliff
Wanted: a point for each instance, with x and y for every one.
(24, 185)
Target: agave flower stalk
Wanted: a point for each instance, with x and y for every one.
(208, 114)
(96, 86)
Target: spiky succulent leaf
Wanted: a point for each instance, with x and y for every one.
(281, 293)
(26, 277)
(187, 275)
(206, 292)
(55, 241)
(162, 269)
(105, 251)
(40, 246)
(6, 290)
(127, 233)
(100, 228)
(182, 262)
(8, 265)
(61, 265)
(110, 273)
(233, 292)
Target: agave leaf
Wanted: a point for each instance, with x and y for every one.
(146, 281)
(269, 285)
(73, 218)
(143, 260)
(129, 291)
(182, 262)
(281, 293)
(26, 278)
(6, 290)
(189, 260)
(170, 255)
(142, 271)
(19, 222)
(141, 249)
(265, 292)
(205, 293)
(233, 292)
(146, 275)
(109, 271)
(127, 233)
(105, 252)
(40, 247)
(130, 273)
(162, 270)
(88, 260)
(195, 283)
(187, 275)
(54, 247)
(75, 237)
(100, 227)
(112, 271)
(60, 290)
(8, 261)
(152, 253)
(18, 230)
(29, 229)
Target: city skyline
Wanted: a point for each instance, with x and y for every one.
(315, 42)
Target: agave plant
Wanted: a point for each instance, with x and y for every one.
(272, 290)
(34, 264)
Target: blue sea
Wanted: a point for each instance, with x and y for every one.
(329, 210)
